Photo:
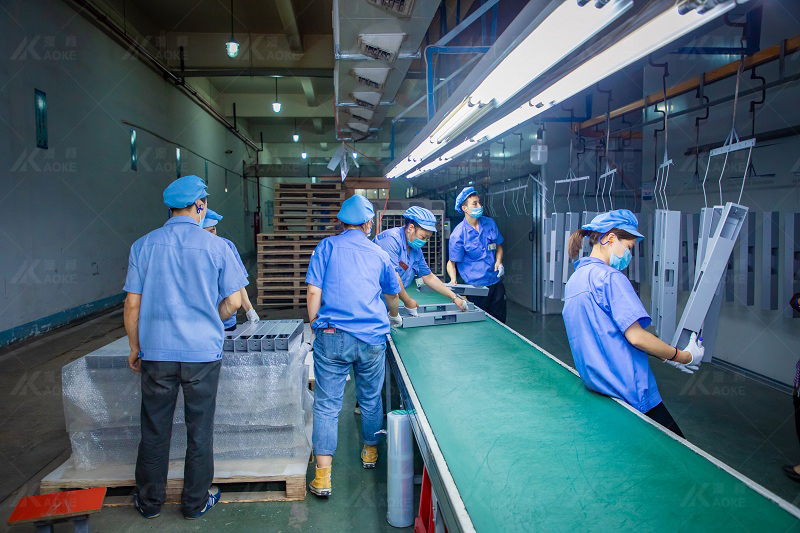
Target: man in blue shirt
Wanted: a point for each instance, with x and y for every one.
(346, 277)
(173, 316)
(404, 246)
(210, 225)
(476, 248)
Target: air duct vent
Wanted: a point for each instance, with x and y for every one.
(401, 8)
(374, 78)
(369, 100)
(383, 46)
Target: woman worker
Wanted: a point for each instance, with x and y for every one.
(605, 320)
(210, 225)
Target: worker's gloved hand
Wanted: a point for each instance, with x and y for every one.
(395, 321)
(695, 347)
(688, 369)
(252, 316)
(461, 303)
(420, 282)
(500, 270)
(414, 311)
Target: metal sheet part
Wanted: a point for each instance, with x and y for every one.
(461, 289)
(666, 258)
(440, 314)
(744, 260)
(572, 223)
(554, 285)
(715, 262)
(263, 336)
(789, 257)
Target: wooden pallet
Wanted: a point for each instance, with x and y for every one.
(278, 292)
(282, 281)
(316, 196)
(264, 247)
(283, 236)
(309, 187)
(267, 480)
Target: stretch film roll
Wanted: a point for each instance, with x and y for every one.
(400, 495)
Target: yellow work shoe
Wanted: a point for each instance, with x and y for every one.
(369, 456)
(321, 486)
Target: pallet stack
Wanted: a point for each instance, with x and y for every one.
(305, 213)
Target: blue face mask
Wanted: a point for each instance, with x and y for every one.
(477, 212)
(621, 263)
(417, 244)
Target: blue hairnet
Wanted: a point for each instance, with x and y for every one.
(618, 219)
(421, 217)
(185, 191)
(356, 210)
(465, 193)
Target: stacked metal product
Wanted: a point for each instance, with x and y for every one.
(263, 402)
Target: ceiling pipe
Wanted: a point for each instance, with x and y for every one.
(120, 34)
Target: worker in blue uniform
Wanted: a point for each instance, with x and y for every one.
(404, 246)
(346, 277)
(210, 225)
(182, 282)
(605, 320)
(476, 249)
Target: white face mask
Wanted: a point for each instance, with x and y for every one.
(368, 232)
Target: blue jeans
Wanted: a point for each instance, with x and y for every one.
(335, 353)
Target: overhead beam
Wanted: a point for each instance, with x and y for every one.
(289, 21)
(764, 56)
(308, 90)
(259, 71)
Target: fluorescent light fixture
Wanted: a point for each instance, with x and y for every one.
(569, 25)
(295, 137)
(648, 38)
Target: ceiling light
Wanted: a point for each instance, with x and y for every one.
(232, 47)
(276, 105)
(569, 25)
(648, 38)
(295, 135)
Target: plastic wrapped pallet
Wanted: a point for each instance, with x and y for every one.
(263, 407)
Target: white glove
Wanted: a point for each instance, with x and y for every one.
(500, 271)
(695, 348)
(252, 316)
(463, 303)
(395, 321)
(414, 311)
(689, 369)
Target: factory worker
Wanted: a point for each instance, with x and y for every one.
(476, 248)
(210, 225)
(173, 317)
(404, 246)
(346, 277)
(605, 320)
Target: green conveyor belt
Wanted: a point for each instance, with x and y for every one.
(530, 449)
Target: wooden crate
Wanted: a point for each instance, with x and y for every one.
(286, 477)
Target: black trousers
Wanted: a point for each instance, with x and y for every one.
(160, 383)
(494, 303)
(796, 402)
(660, 414)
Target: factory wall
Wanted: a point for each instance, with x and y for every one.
(761, 341)
(96, 93)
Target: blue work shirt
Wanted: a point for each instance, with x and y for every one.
(181, 271)
(409, 264)
(353, 272)
(599, 305)
(232, 320)
(473, 252)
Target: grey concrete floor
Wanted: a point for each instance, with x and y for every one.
(745, 423)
